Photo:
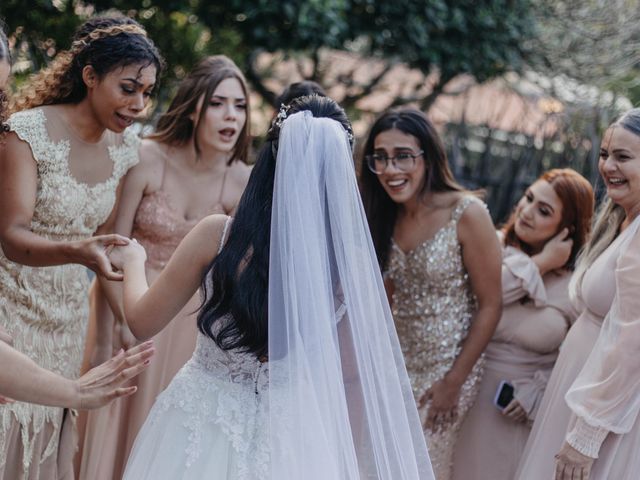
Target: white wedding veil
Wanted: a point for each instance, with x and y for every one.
(340, 402)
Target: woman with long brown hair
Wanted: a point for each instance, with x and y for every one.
(438, 247)
(60, 169)
(541, 240)
(194, 165)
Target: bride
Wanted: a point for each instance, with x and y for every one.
(297, 371)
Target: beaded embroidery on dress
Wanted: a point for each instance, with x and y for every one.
(432, 308)
(45, 309)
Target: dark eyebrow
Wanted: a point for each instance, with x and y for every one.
(547, 205)
(138, 83)
(221, 97)
(621, 150)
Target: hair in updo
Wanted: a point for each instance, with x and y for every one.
(105, 43)
(237, 281)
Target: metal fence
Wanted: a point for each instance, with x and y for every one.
(503, 164)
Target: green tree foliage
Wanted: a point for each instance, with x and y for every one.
(481, 37)
(484, 38)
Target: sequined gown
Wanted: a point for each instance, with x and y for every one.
(111, 430)
(432, 308)
(45, 309)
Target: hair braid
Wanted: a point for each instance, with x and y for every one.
(102, 42)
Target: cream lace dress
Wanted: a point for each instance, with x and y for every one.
(45, 309)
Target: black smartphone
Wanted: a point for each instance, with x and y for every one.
(504, 395)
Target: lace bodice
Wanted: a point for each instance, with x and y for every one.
(66, 208)
(231, 366)
(229, 389)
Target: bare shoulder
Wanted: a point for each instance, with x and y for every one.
(14, 148)
(151, 164)
(475, 223)
(151, 152)
(207, 235)
(239, 173)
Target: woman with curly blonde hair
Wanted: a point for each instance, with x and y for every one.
(61, 165)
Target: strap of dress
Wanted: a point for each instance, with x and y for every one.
(165, 161)
(462, 205)
(224, 234)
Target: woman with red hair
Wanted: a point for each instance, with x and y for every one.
(541, 240)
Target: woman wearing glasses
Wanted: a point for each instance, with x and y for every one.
(437, 246)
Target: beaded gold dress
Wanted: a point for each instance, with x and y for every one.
(433, 306)
(45, 309)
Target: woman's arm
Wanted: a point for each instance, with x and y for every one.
(21, 379)
(134, 186)
(149, 309)
(605, 397)
(18, 188)
(482, 257)
(111, 328)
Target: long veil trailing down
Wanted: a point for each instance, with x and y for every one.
(340, 401)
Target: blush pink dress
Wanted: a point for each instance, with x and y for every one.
(111, 430)
(596, 295)
(535, 319)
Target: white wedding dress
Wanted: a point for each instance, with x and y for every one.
(210, 423)
(334, 401)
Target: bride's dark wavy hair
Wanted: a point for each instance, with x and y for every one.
(237, 281)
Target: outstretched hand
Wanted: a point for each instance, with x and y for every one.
(104, 383)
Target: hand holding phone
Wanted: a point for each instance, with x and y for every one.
(504, 395)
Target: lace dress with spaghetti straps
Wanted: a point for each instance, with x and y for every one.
(111, 430)
(45, 309)
(433, 305)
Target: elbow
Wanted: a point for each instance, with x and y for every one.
(8, 249)
(13, 247)
(490, 310)
(138, 330)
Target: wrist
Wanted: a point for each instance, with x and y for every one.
(586, 438)
(69, 397)
(72, 252)
(134, 264)
(454, 379)
(540, 261)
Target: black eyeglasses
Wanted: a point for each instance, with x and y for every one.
(403, 161)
